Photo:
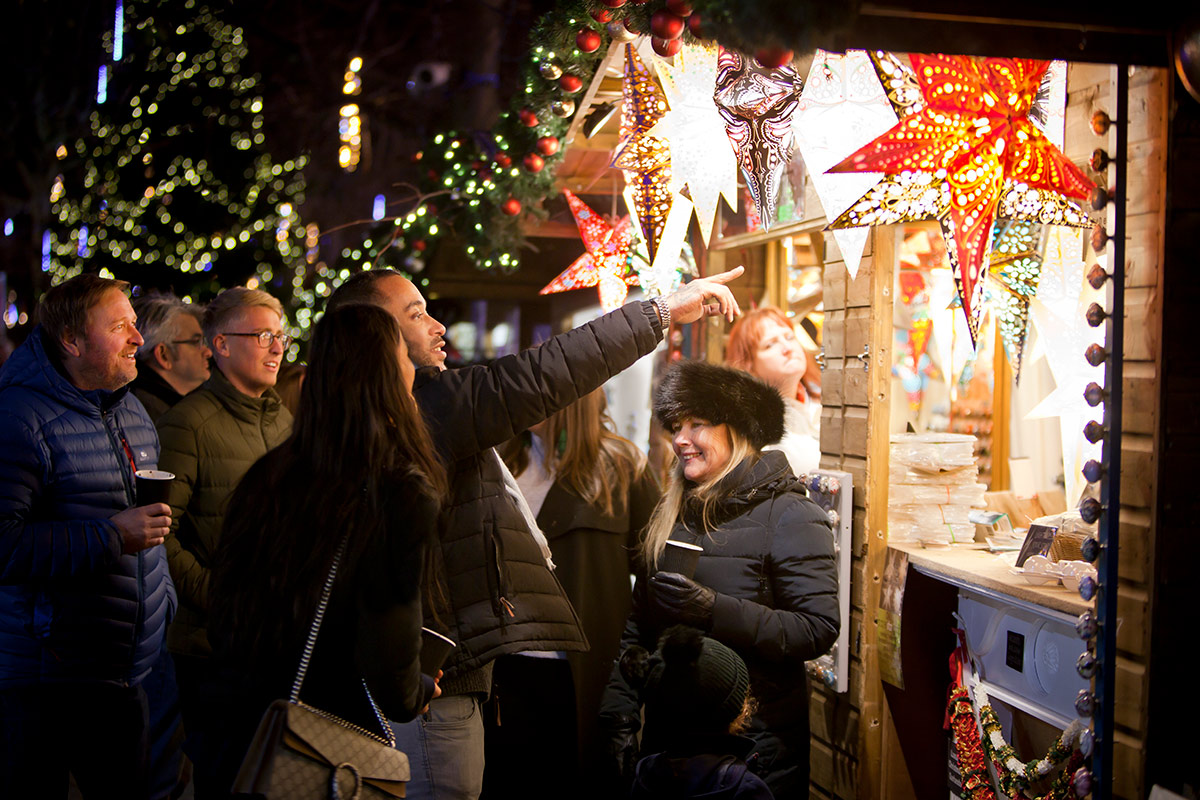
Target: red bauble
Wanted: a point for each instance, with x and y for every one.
(587, 40)
(694, 26)
(666, 25)
(773, 57)
(419, 245)
(665, 47)
(511, 206)
(433, 174)
(547, 145)
(503, 160)
(680, 7)
(570, 83)
(484, 174)
(601, 15)
(528, 117)
(534, 163)
(613, 3)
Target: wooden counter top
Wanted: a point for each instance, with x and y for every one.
(984, 571)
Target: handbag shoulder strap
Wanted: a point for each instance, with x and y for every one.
(311, 643)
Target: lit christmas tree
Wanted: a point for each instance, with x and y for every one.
(173, 187)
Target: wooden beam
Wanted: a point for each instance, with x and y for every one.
(615, 54)
(882, 266)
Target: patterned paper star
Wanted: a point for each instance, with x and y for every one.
(842, 107)
(606, 262)
(702, 162)
(757, 104)
(1014, 270)
(974, 131)
(644, 157)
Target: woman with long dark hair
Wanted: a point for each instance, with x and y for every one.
(359, 464)
(766, 582)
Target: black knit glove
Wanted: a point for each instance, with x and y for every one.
(681, 600)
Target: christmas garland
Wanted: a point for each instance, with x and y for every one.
(1014, 776)
(478, 185)
(972, 761)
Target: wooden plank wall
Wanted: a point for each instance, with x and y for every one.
(1090, 88)
(846, 728)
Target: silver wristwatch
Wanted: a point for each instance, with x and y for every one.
(664, 312)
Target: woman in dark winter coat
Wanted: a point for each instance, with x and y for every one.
(766, 583)
(592, 495)
(358, 467)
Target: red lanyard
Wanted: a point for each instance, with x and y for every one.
(128, 454)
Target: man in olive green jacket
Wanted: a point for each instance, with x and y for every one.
(209, 440)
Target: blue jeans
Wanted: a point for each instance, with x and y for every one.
(445, 749)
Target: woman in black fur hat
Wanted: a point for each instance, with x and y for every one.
(766, 582)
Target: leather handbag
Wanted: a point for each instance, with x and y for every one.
(303, 753)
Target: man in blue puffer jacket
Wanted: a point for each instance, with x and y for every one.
(85, 592)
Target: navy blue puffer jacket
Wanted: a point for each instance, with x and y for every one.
(72, 607)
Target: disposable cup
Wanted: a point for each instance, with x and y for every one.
(680, 557)
(435, 649)
(153, 486)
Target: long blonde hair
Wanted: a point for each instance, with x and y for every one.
(594, 463)
(669, 507)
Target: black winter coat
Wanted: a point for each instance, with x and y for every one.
(769, 556)
(502, 597)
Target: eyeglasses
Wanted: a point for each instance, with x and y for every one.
(195, 341)
(265, 338)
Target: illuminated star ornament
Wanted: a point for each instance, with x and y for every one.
(644, 158)
(702, 161)
(1014, 270)
(973, 133)
(757, 104)
(843, 106)
(606, 262)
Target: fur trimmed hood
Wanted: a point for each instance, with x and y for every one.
(721, 395)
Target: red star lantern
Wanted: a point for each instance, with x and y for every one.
(974, 132)
(606, 261)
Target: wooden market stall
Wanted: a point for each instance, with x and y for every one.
(859, 749)
(874, 739)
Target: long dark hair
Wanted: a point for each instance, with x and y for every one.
(357, 432)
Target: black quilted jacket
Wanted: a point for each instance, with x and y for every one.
(502, 598)
(770, 558)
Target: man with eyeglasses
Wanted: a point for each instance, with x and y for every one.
(209, 439)
(173, 361)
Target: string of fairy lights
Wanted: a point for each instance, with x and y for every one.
(136, 197)
(126, 199)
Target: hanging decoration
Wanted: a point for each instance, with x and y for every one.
(702, 163)
(1014, 776)
(605, 265)
(843, 106)
(975, 132)
(757, 105)
(1057, 313)
(914, 327)
(1015, 265)
(972, 761)
(644, 158)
